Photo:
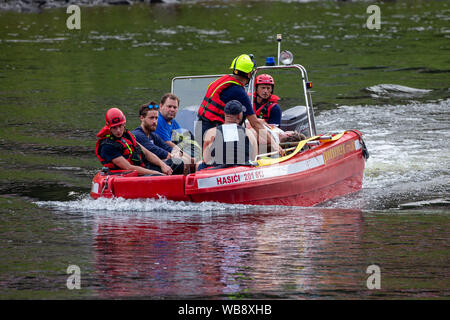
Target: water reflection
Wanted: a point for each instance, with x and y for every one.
(286, 253)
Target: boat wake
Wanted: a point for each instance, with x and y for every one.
(408, 148)
(168, 209)
(86, 203)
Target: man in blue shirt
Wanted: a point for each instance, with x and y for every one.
(146, 136)
(166, 118)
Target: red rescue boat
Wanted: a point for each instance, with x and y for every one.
(320, 168)
(325, 171)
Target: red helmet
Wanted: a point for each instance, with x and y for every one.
(114, 117)
(264, 79)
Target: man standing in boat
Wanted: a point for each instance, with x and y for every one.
(146, 136)
(117, 148)
(265, 103)
(229, 144)
(225, 89)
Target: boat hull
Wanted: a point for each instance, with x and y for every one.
(326, 171)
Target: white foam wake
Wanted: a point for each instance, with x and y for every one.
(86, 203)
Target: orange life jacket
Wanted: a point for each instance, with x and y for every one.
(127, 145)
(264, 111)
(212, 108)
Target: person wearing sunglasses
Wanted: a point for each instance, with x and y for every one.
(146, 136)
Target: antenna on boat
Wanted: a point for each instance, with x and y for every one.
(279, 38)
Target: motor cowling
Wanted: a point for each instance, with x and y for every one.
(295, 119)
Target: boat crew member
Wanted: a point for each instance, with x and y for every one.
(117, 148)
(225, 89)
(146, 137)
(265, 103)
(166, 119)
(229, 144)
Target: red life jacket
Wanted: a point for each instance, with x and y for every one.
(264, 111)
(127, 145)
(212, 108)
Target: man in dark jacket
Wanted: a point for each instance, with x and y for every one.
(146, 136)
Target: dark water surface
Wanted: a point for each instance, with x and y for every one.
(391, 84)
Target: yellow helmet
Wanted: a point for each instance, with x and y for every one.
(244, 63)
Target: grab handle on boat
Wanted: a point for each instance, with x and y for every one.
(365, 152)
(105, 185)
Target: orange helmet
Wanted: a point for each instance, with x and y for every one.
(114, 117)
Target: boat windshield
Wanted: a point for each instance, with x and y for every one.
(191, 89)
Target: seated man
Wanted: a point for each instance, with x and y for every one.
(166, 119)
(146, 136)
(229, 144)
(117, 149)
(265, 103)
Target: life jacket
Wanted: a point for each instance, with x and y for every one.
(263, 112)
(127, 145)
(233, 152)
(212, 108)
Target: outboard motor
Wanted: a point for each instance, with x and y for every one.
(295, 119)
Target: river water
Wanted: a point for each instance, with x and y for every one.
(392, 84)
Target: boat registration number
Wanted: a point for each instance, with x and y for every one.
(254, 175)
